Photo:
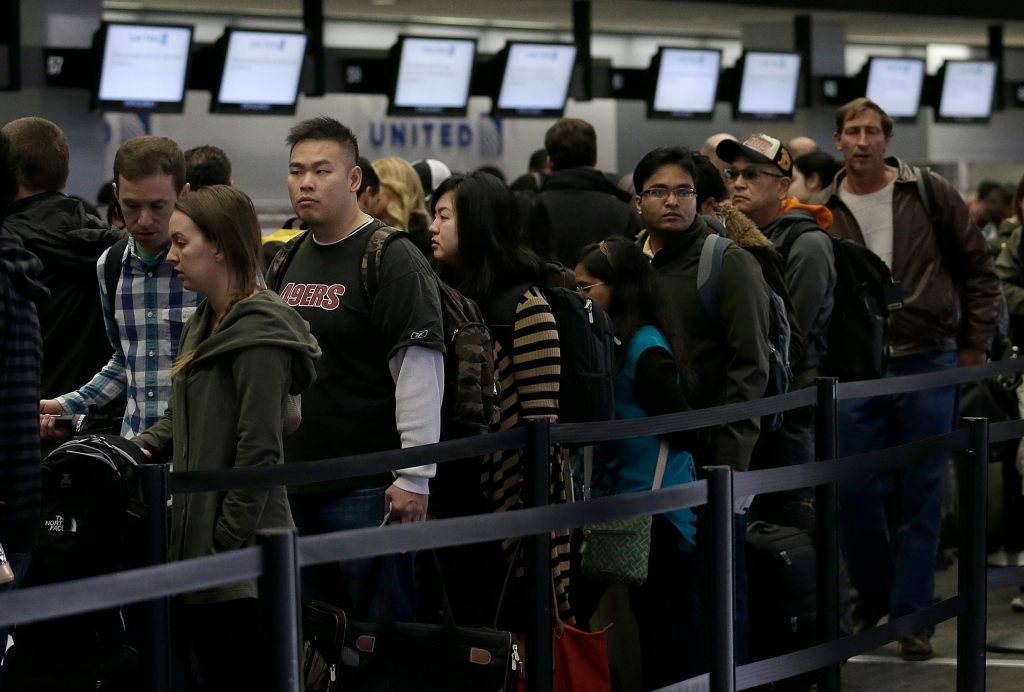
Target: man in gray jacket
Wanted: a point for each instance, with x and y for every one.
(759, 175)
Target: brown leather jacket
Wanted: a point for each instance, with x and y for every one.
(936, 315)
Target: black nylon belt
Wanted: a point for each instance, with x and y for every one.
(915, 383)
(1007, 430)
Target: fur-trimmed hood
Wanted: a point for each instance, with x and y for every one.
(741, 229)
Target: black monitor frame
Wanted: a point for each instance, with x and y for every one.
(498, 68)
(223, 45)
(100, 46)
(865, 76)
(741, 74)
(654, 73)
(395, 58)
(941, 86)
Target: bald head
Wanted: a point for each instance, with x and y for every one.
(711, 144)
(800, 146)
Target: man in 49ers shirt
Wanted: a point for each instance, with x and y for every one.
(381, 377)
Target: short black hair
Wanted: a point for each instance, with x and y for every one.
(205, 166)
(106, 194)
(708, 181)
(570, 143)
(538, 159)
(820, 163)
(325, 129)
(370, 179)
(987, 187)
(492, 170)
(663, 156)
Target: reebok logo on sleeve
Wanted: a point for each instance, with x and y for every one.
(313, 295)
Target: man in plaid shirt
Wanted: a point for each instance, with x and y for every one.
(145, 316)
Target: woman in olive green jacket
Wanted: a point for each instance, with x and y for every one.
(242, 353)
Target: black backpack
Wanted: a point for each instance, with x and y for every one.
(586, 341)
(91, 523)
(859, 333)
(780, 374)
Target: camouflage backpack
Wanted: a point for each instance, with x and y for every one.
(470, 389)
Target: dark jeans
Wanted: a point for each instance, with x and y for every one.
(19, 565)
(886, 575)
(344, 584)
(666, 608)
(226, 640)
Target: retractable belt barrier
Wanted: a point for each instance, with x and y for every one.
(161, 581)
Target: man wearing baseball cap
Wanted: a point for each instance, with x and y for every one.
(759, 174)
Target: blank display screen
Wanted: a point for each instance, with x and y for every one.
(687, 81)
(536, 77)
(769, 84)
(895, 85)
(434, 74)
(967, 89)
(262, 69)
(144, 66)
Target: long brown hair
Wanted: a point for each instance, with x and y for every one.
(226, 217)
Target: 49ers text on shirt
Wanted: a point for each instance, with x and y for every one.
(313, 295)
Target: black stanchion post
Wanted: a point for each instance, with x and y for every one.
(279, 604)
(156, 652)
(973, 574)
(723, 543)
(826, 505)
(540, 659)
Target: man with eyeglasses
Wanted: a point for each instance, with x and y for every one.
(759, 173)
(730, 353)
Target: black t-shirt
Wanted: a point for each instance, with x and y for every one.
(351, 407)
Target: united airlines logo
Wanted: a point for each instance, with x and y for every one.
(313, 295)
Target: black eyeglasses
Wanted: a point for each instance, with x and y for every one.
(749, 174)
(664, 192)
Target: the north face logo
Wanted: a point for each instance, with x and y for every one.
(313, 295)
(57, 524)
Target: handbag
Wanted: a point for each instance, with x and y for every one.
(383, 656)
(323, 635)
(617, 552)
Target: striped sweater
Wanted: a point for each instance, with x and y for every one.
(528, 373)
(21, 353)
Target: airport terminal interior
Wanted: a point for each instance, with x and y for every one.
(571, 140)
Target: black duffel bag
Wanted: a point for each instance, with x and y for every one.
(384, 656)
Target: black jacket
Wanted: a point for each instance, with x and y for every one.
(582, 206)
(19, 396)
(68, 241)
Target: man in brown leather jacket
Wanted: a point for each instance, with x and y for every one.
(951, 295)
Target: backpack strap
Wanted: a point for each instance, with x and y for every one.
(381, 236)
(794, 234)
(709, 274)
(950, 257)
(283, 258)
(112, 267)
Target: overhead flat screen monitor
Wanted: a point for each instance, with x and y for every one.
(686, 83)
(895, 85)
(433, 76)
(536, 79)
(768, 86)
(261, 72)
(144, 68)
(968, 87)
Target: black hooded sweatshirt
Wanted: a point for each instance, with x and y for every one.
(19, 395)
(583, 206)
(68, 241)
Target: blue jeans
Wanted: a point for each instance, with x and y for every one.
(19, 565)
(888, 573)
(344, 584)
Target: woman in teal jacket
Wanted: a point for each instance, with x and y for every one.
(652, 378)
(240, 356)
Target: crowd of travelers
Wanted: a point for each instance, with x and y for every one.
(718, 272)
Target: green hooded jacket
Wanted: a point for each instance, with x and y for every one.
(226, 411)
(729, 357)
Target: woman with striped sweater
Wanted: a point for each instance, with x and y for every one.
(479, 249)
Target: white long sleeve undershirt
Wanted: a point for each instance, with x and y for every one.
(419, 389)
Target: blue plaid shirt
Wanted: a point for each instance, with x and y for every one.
(150, 308)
